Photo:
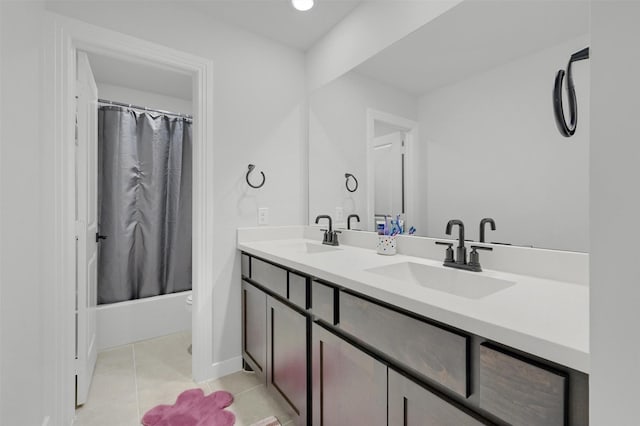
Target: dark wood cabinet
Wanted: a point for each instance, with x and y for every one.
(270, 276)
(349, 387)
(323, 298)
(336, 357)
(432, 351)
(413, 405)
(298, 290)
(519, 392)
(245, 262)
(254, 328)
(287, 334)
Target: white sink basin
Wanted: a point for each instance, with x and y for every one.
(471, 285)
(311, 248)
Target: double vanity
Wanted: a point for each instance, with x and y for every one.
(454, 120)
(344, 336)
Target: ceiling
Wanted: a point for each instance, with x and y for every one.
(273, 19)
(140, 76)
(278, 20)
(475, 37)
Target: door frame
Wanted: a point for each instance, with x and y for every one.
(62, 38)
(410, 167)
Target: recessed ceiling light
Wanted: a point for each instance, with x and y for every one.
(302, 5)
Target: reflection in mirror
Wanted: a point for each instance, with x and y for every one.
(455, 121)
(388, 166)
(388, 161)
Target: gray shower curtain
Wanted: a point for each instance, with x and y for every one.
(144, 179)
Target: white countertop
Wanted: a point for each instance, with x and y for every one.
(540, 316)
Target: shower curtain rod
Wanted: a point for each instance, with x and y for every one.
(122, 104)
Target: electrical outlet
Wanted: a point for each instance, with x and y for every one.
(339, 214)
(263, 216)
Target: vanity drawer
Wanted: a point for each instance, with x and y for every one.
(269, 276)
(519, 392)
(432, 351)
(246, 265)
(298, 290)
(323, 301)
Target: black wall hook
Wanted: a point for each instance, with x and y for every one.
(347, 176)
(251, 167)
(570, 129)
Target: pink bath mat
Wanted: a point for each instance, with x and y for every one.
(192, 408)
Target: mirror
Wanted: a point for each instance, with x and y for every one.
(455, 121)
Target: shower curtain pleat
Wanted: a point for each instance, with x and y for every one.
(144, 204)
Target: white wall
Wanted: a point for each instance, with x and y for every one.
(259, 117)
(338, 140)
(2, 36)
(143, 98)
(367, 30)
(493, 150)
(22, 361)
(615, 209)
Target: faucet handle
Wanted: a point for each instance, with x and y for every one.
(448, 253)
(326, 237)
(474, 248)
(334, 237)
(474, 257)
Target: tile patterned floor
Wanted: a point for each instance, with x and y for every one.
(131, 379)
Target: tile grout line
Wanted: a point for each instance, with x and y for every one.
(248, 390)
(135, 380)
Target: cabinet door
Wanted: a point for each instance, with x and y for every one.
(287, 337)
(412, 405)
(254, 328)
(349, 386)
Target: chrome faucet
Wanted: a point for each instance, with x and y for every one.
(459, 261)
(330, 236)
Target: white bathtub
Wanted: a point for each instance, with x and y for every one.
(127, 322)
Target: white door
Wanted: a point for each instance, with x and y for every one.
(388, 165)
(86, 226)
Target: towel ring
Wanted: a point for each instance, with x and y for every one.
(251, 167)
(565, 129)
(346, 183)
